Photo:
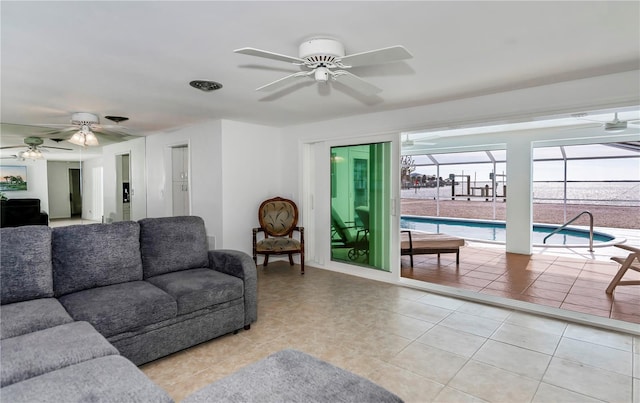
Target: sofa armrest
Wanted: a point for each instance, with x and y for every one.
(241, 265)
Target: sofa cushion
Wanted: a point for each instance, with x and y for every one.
(37, 353)
(121, 307)
(30, 316)
(171, 244)
(25, 263)
(95, 255)
(107, 379)
(199, 288)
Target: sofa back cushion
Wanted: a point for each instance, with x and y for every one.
(25, 263)
(95, 255)
(170, 244)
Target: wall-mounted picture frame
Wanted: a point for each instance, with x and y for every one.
(13, 178)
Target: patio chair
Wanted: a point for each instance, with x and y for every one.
(422, 243)
(278, 219)
(631, 262)
(350, 236)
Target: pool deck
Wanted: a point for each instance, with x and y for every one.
(571, 279)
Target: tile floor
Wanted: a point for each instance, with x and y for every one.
(424, 347)
(562, 281)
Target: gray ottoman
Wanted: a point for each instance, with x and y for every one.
(292, 376)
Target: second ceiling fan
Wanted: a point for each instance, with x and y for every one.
(324, 59)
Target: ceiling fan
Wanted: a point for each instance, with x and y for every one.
(615, 125)
(324, 59)
(83, 129)
(34, 149)
(408, 142)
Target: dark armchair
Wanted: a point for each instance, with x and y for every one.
(19, 212)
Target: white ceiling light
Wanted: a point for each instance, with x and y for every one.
(84, 137)
(31, 153)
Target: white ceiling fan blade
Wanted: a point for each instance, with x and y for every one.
(384, 55)
(355, 82)
(269, 55)
(283, 81)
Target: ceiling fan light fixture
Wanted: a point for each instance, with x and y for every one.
(77, 139)
(84, 137)
(90, 139)
(31, 154)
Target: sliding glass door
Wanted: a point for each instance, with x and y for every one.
(361, 204)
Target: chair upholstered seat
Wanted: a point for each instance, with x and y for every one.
(278, 219)
(278, 244)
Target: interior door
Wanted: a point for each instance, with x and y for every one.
(75, 192)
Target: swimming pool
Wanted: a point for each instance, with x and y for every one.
(495, 231)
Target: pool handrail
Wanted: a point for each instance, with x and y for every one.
(569, 222)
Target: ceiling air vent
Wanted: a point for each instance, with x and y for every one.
(205, 85)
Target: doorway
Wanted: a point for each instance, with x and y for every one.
(123, 187)
(75, 192)
(180, 180)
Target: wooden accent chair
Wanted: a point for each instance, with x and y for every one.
(278, 219)
(631, 262)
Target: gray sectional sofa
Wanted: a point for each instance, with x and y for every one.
(83, 305)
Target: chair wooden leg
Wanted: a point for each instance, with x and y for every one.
(302, 263)
(266, 260)
(291, 259)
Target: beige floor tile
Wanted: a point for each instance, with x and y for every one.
(596, 355)
(430, 362)
(452, 340)
(402, 325)
(600, 336)
(420, 311)
(408, 341)
(515, 359)
(493, 384)
(408, 385)
(450, 395)
(548, 393)
(442, 301)
(527, 338)
(536, 322)
(485, 311)
(471, 324)
(591, 381)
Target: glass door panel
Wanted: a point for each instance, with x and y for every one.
(360, 205)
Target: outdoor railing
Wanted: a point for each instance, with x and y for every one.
(572, 220)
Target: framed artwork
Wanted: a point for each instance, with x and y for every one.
(13, 177)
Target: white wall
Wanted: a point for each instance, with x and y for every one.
(253, 170)
(37, 187)
(112, 201)
(205, 173)
(233, 167)
(92, 189)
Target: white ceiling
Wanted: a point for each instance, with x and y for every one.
(136, 59)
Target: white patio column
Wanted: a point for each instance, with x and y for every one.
(519, 195)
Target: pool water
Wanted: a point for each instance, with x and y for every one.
(495, 231)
